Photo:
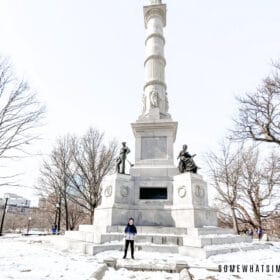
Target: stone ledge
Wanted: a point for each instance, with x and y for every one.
(150, 229)
(99, 272)
(211, 250)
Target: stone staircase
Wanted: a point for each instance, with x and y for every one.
(197, 242)
(207, 241)
(151, 239)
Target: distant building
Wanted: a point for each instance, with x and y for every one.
(16, 203)
(42, 203)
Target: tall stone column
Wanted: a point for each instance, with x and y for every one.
(154, 131)
(155, 101)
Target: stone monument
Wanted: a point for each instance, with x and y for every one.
(154, 193)
(170, 208)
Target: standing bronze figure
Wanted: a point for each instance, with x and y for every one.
(120, 166)
(186, 163)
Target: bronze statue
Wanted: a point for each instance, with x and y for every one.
(120, 166)
(186, 163)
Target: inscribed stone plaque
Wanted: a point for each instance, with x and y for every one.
(153, 193)
(154, 147)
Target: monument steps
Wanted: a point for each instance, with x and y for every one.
(217, 247)
(209, 230)
(199, 242)
(211, 250)
(147, 238)
(153, 238)
(149, 229)
(90, 248)
(204, 242)
(217, 239)
(147, 247)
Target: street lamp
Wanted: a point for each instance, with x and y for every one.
(58, 207)
(3, 215)
(28, 225)
(55, 219)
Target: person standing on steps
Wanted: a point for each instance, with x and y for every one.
(130, 232)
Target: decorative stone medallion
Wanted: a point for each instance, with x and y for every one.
(182, 191)
(199, 191)
(124, 191)
(108, 191)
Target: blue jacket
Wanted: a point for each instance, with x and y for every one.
(130, 229)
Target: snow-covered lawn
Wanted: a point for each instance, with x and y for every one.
(29, 258)
(33, 258)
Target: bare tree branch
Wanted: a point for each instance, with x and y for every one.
(92, 161)
(20, 114)
(259, 112)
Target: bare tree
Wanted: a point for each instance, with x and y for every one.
(246, 183)
(225, 169)
(259, 112)
(72, 175)
(77, 215)
(259, 187)
(20, 114)
(92, 161)
(54, 181)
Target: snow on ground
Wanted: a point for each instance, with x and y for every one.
(203, 268)
(138, 275)
(33, 258)
(28, 258)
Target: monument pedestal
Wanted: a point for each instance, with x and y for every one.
(190, 202)
(185, 205)
(117, 198)
(121, 199)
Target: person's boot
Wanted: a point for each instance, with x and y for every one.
(125, 249)
(124, 256)
(132, 250)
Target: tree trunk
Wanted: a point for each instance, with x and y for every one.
(66, 214)
(234, 220)
(91, 216)
(59, 216)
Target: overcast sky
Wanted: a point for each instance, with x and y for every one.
(85, 60)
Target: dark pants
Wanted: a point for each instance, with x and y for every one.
(131, 247)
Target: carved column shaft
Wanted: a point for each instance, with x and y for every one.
(155, 95)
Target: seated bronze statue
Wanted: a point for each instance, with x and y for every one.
(186, 163)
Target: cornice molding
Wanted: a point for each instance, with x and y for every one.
(155, 10)
(155, 82)
(158, 35)
(155, 56)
